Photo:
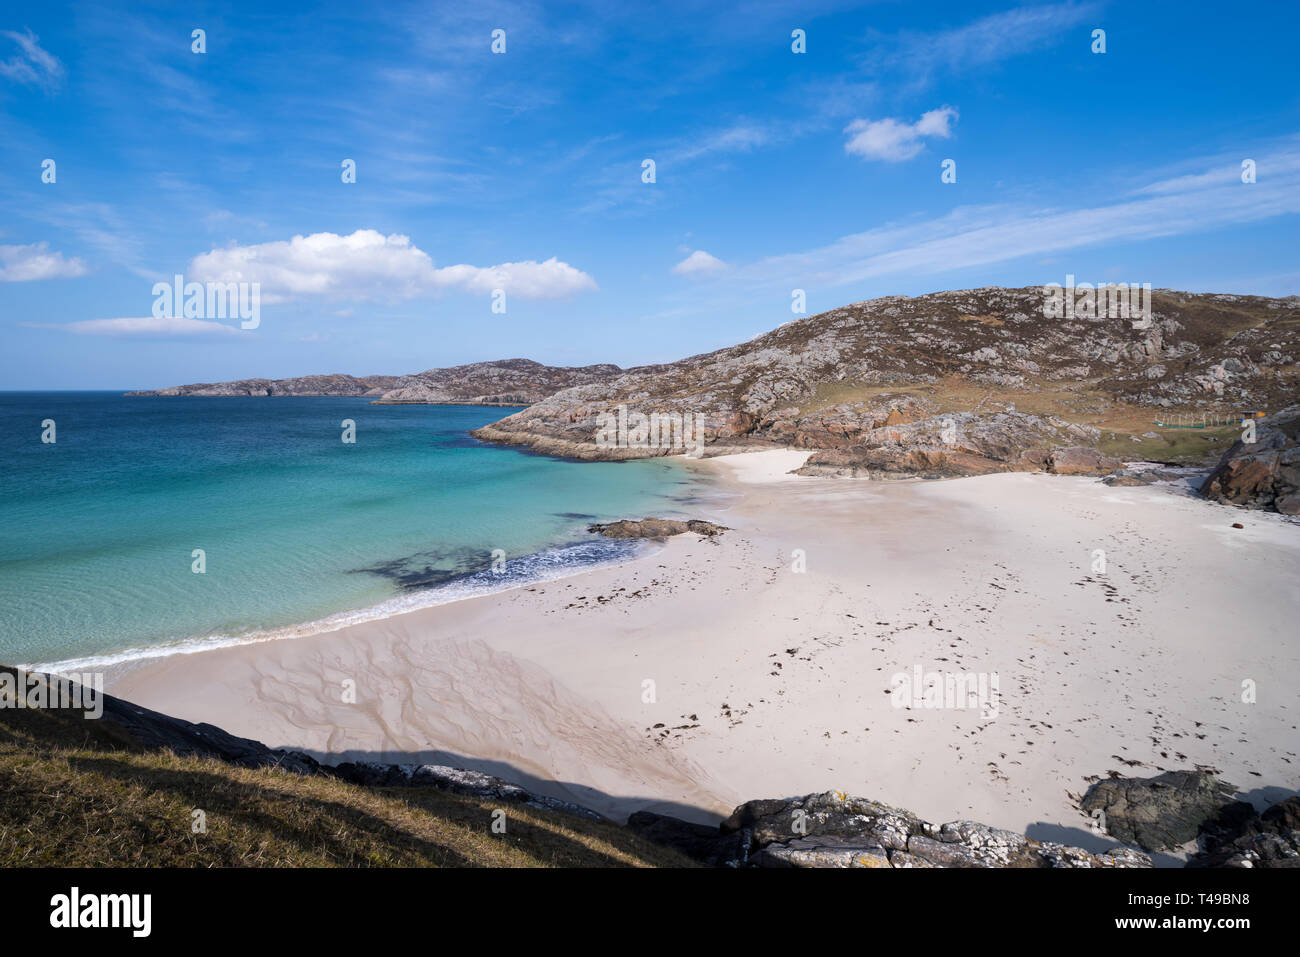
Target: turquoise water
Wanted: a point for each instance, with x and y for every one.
(98, 529)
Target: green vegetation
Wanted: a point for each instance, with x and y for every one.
(1176, 446)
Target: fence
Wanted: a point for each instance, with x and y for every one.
(1206, 420)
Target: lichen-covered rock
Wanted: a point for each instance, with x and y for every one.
(826, 851)
(834, 829)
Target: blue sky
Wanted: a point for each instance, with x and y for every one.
(774, 171)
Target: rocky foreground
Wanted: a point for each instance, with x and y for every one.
(832, 829)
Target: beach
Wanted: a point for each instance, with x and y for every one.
(764, 662)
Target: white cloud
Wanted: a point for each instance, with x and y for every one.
(144, 327)
(35, 261)
(370, 265)
(699, 263)
(896, 140)
(31, 65)
(551, 279)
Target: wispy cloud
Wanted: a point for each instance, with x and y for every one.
(982, 235)
(991, 39)
(35, 261)
(143, 327)
(31, 65)
(619, 183)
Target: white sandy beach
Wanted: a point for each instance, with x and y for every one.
(770, 682)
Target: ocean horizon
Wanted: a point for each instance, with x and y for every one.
(159, 526)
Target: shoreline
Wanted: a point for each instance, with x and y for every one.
(401, 604)
(545, 684)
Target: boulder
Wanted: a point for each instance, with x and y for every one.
(1159, 813)
(1081, 460)
(1263, 474)
(655, 528)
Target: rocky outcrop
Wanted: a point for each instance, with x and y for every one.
(834, 829)
(1163, 812)
(965, 443)
(1267, 840)
(656, 528)
(1080, 460)
(1126, 477)
(1263, 474)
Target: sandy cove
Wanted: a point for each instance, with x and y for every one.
(770, 682)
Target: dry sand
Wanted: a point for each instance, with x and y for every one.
(769, 682)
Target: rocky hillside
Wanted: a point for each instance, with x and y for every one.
(505, 382)
(954, 383)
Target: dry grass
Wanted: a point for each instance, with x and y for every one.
(73, 794)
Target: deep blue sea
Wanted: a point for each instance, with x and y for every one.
(299, 531)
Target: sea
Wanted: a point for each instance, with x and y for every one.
(139, 527)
